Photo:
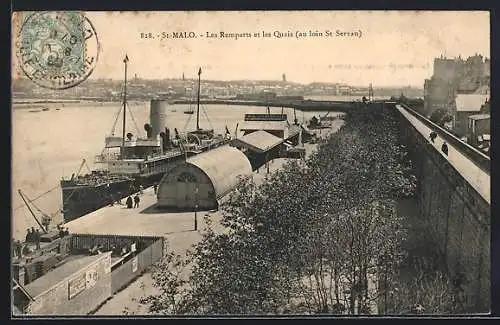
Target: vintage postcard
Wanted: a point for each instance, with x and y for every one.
(250, 163)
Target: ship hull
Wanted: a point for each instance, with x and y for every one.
(80, 200)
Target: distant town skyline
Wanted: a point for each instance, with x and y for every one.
(396, 48)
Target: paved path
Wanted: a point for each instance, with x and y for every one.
(474, 175)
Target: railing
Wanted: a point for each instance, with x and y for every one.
(476, 156)
(103, 158)
(168, 154)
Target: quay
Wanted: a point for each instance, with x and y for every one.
(177, 227)
(301, 105)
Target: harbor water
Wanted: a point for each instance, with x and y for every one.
(48, 145)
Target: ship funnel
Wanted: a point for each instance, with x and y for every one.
(158, 116)
(148, 129)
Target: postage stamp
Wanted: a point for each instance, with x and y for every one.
(57, 50)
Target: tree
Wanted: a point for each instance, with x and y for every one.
(308, 238)
(441, 116)
(169, 277)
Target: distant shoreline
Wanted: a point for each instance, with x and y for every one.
(60, 101)
(40, 104)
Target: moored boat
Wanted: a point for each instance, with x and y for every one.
(131, 162)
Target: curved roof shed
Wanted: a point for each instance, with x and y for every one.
(203, 179)
(222, 165)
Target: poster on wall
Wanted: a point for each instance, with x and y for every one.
(91, 277)
(77, 285)
(134, 264)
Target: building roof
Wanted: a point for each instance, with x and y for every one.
(59, 274)
(470, 102)
(479, 117)
(222, 165)
(264, 125)
(260, 141)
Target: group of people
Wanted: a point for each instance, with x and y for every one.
(33, 236)
(62, 231)
(444, 147)
(134, 203)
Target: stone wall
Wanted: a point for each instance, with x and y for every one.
(458, 218)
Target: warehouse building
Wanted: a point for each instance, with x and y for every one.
(76, 274)
(203, 179)
(260, 147)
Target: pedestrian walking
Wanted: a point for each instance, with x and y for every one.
(29, 236)
(444, 148)
(14, 248)
(19, 249)
(61, 232)
(433, 136)
(155, 187)
(37, 239)
(129, 202)
(33, 235)
(136, 201)
(141, 189)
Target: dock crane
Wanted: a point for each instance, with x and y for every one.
(45, 218)
(84, 162)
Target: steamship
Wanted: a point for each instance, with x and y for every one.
(131, 162)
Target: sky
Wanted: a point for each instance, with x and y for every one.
(396, 48)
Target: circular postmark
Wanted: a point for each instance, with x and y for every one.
(57, 50)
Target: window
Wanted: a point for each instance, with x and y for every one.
(186, 177)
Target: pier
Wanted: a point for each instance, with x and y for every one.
(302, 105)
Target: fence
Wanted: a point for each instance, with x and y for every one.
(136, 265)
(148, 250)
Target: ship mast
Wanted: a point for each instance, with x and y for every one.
(198, 102)
(124, 106)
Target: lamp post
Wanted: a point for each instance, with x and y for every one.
(196, 209)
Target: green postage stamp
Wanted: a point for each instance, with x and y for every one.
(57, 50)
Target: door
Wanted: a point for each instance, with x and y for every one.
(186, 195)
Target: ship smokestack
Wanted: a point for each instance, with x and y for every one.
(158, 116)
(148, 129)
(167, 138)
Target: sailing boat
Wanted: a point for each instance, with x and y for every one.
(201, 137)
(140, 162)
